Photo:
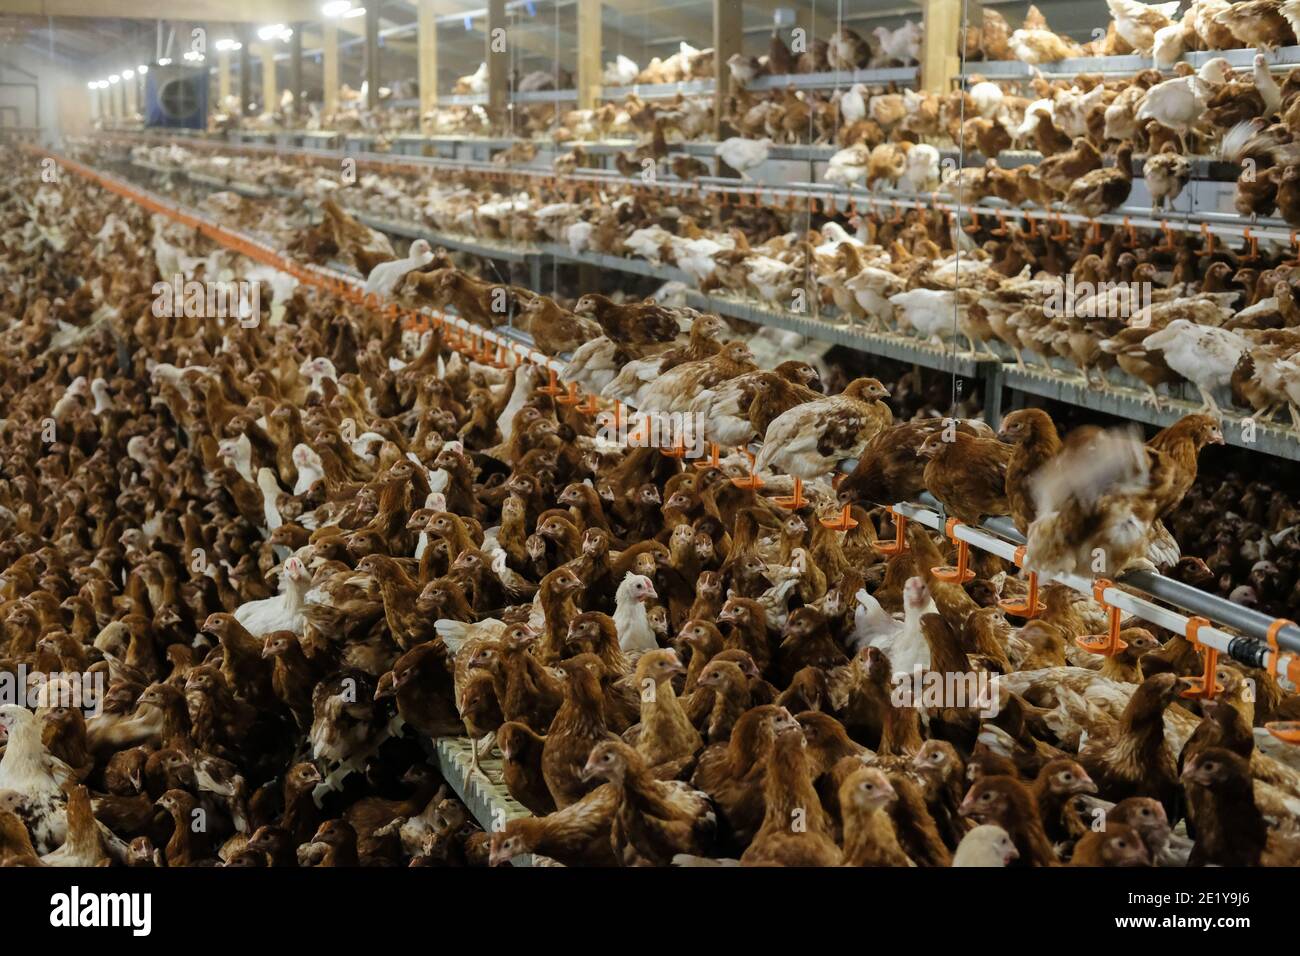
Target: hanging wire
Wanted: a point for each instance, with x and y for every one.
(555, 262)
(956, 231)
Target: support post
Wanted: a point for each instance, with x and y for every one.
(426, 28)
(223, 76)
(295, 72)
(129, 99)
(245, 72)
(727, 38)
(270, 93)
(330, 65)
(590, 49)
(497, 56)
(940, 62)
(372, 55)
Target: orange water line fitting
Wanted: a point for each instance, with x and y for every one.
(1204, 687)
(899, 544)
(1293, 671)
(677, 451)
(713, 461)
(1288, 731)
(1168, 245)
(795, 501)
(961, 573)
(1208, 249)
(751, 481)
(1252, 243)
(552, 386)
(1030, 607)
(1108, 644)
(844, 521)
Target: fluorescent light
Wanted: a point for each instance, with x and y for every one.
(335, 8)
(355, 12)
(276, 31)
(142, 69)
(225, 43)
(115, 79)
(128, 74)
(165, 61)
(92, 85)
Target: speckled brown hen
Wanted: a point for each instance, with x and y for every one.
(967, 474)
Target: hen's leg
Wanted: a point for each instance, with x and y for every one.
(1211, 406)
(1155, 398)
(482, 750)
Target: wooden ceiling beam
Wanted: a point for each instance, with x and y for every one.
(243, 11)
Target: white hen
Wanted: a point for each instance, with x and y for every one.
(1138, 22)
(742, 154)
(310, 468)
(906, 646)
(28, 770)
(931, 312)
(635, 634)
(849, 165)
(284, 611)
(622, 72)
(1202, 354)
(853, 104)
(387, 276)
(1176, 104)
(921, 172)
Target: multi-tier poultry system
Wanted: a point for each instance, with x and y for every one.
(864, 441)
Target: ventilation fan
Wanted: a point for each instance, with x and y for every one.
(177, 97)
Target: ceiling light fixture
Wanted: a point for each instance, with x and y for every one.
(335, 8)
(276, 31)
